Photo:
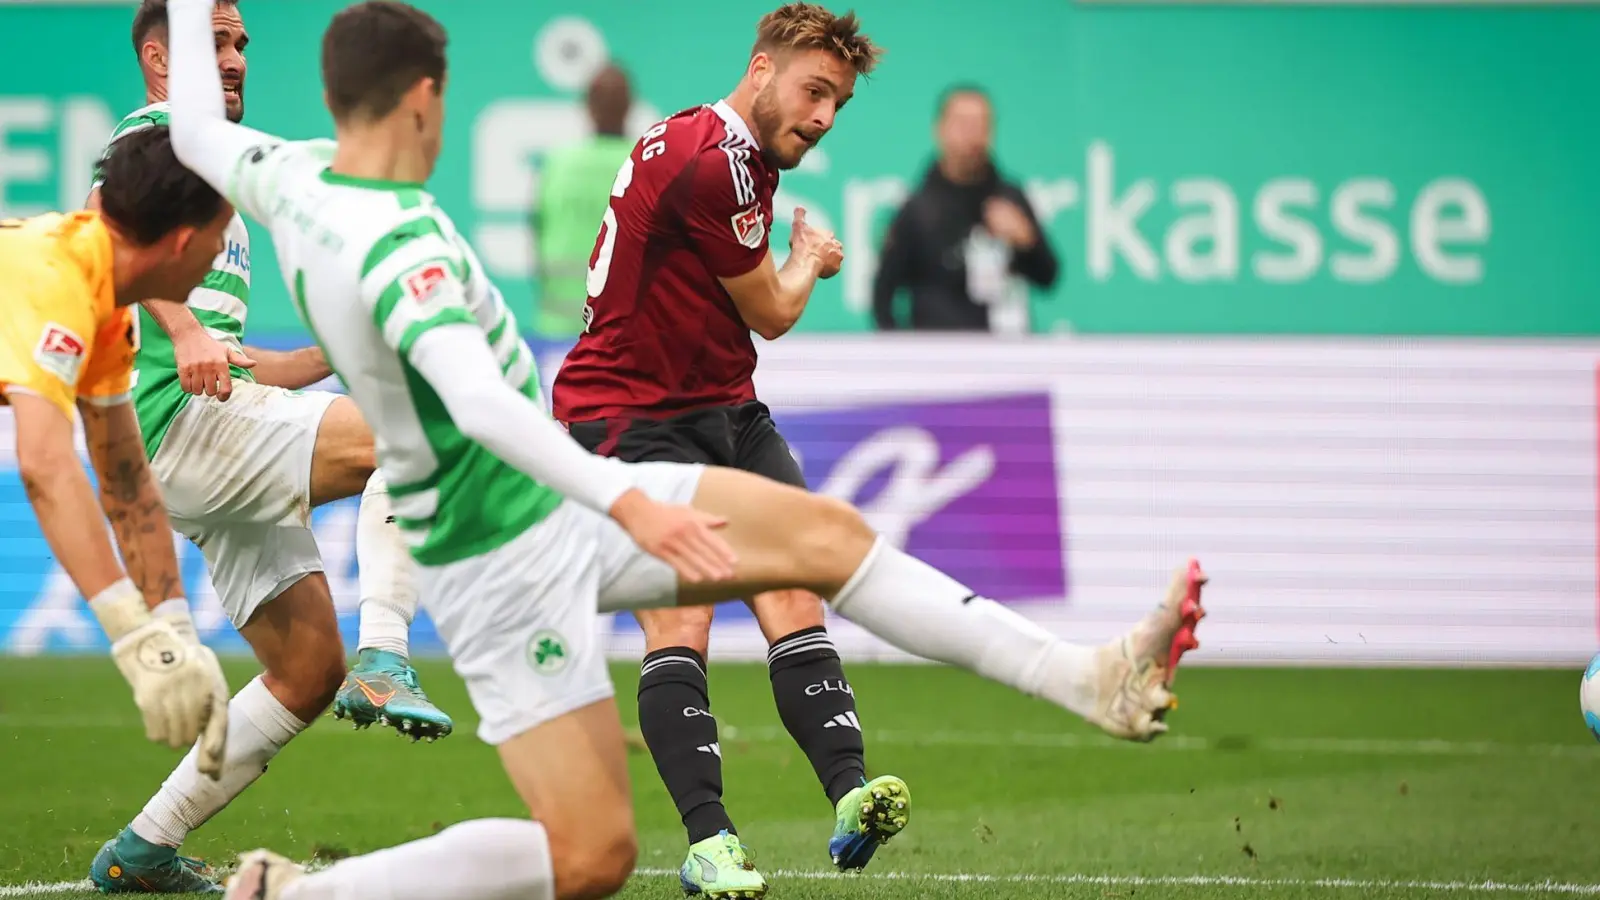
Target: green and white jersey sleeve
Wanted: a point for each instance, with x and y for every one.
(372, 266)
(402, 309)
(220, 304)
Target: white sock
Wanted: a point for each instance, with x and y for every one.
(921, 610)
(386, 575)
(258, 727)
(485, 859)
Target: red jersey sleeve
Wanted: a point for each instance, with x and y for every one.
(726, 224)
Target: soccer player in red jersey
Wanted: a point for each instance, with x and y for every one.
(681, 274)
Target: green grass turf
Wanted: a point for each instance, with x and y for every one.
(1280, 777)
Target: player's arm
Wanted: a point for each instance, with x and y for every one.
(131, 499)
(770, 297)
(291, 369)
(202, 360)
(432, 329)
(63, 500)
(232, 158)
(177, 682)
(723, 223)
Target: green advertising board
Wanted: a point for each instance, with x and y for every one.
(1262, 169)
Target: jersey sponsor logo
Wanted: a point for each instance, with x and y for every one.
(60, 352)
(749, 228)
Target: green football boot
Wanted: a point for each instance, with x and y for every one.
(721, 868)
(382, 689)
(867, 818)
(129, 864)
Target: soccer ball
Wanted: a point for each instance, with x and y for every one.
(1589, 695)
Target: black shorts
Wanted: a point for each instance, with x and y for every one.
(735, 437)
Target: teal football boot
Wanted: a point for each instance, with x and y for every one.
(129, 864)
(866, 818)
(721, 867)
(382, 689)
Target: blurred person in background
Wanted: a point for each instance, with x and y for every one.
(574, 190)
(966, 244)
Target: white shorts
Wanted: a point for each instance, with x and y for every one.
(237, 480)
(521, 621)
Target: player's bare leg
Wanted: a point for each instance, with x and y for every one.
(296, 638)
(382, 686)
(579, 843)
(785, 537)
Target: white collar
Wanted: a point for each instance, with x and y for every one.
(734, 122)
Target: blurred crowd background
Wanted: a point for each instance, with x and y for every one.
(1306, 289)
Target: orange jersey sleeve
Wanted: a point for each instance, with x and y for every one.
(60, 338)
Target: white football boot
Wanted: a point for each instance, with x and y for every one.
(1135, 674)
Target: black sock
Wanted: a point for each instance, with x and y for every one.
(675, 717)
(818, 707)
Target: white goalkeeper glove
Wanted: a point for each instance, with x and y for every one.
(177, 682)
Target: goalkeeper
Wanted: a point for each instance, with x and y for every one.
(67, 342)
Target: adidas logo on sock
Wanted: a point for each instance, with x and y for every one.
(389, 519)
(714, 748)
(843, 720)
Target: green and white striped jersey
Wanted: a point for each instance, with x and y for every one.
(368, 265)
(220, 304)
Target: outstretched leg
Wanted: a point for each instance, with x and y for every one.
(787, 538)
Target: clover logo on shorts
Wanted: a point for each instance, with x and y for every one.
(547, 652)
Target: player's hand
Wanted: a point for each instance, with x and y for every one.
(1008, 222)
(817, 243)
(213, 740)
(683, 537)
(203, 364)
(179, 689)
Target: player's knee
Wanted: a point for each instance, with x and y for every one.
(832, 541)
(595, 865)
(684, 626)
(782, 613)
(307, 683)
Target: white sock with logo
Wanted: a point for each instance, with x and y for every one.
(484, 859)
(258, 727)
(923, 611)
(386, 573)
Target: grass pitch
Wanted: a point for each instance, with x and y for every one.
(1275, 783)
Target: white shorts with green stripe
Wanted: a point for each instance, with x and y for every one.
(237, 481)
(521, 622)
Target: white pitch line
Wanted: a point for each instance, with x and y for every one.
(1332, 884)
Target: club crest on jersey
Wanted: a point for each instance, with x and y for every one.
(60, 352)
(749, 228)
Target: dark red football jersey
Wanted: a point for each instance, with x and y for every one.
(692, 204)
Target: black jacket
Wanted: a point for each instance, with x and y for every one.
(924, 254)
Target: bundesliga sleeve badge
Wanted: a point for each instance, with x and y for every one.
(60, 352)
(749, 228)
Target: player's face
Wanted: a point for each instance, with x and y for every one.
(798, 104)
(966, 130)
(228, 28)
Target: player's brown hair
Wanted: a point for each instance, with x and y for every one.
(147, 193)
(152, 15)
(372, 53)
(810, 26)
